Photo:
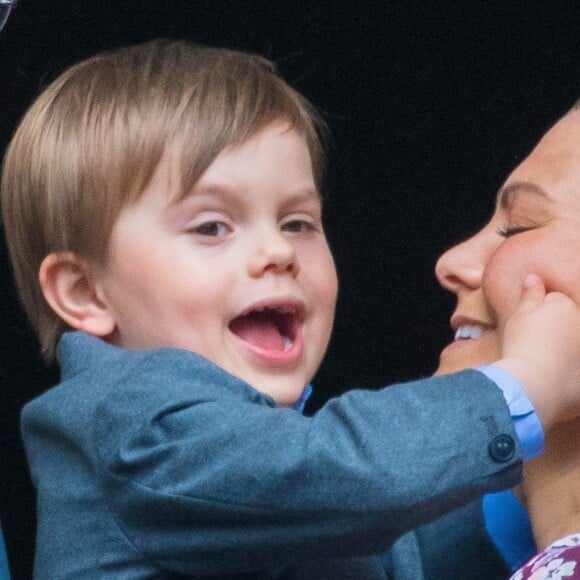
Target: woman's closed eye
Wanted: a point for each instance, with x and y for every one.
(508, 231)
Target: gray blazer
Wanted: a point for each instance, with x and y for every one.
(158, 464)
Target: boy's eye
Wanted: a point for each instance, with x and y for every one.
(299, 226)
(213, 229)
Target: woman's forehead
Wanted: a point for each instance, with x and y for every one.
(562, 140)
(554, 164)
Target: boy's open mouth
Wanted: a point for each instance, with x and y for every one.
(271, 328)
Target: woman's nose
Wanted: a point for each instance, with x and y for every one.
(273, 253)
(462, 265)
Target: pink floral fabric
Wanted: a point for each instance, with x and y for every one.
(559, 561)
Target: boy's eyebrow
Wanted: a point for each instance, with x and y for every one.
(305, 194)
(229, 192)
(507, 195)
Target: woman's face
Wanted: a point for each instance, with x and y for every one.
(535, 229)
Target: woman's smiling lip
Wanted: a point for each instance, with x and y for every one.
(467, 330)
(460, 321)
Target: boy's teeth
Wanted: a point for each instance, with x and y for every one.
(287, 343)
(465, 332)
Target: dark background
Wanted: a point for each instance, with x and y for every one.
(431, 104)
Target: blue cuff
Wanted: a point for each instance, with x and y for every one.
(526, 421)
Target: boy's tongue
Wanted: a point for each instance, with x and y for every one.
(259, 329)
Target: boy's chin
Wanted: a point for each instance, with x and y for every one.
(285, 393)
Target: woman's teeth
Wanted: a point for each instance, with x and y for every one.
(467, 332)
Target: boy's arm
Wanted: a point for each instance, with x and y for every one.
(254, 486)
(526, 421)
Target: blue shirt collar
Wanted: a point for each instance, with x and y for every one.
(299, 406)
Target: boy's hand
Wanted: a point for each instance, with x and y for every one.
(541, 350)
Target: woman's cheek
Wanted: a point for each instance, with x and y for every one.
(502, 280)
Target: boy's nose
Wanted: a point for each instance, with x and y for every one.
(273, 253)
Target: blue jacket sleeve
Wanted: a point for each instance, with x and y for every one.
(208, 481)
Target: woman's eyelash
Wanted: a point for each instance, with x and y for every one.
(508, 232)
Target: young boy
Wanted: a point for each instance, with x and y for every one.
(162, 210)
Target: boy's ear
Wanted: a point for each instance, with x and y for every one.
(68, 286)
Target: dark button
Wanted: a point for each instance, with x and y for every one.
(502, 448)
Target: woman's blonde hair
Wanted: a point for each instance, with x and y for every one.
(92, 140)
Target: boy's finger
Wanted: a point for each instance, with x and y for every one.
(533, 293)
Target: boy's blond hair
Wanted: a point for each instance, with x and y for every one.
(92, 140)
